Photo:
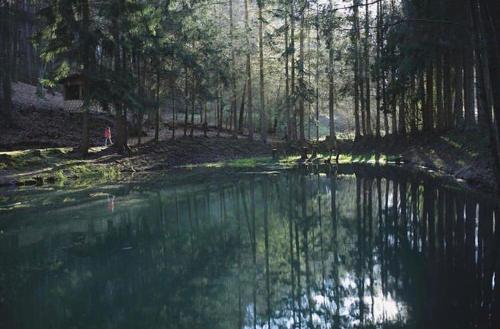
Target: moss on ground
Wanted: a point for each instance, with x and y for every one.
(82, 174)
(32, 159)
(53, 166)
(345, 158)
(293, 160)
(235, 163)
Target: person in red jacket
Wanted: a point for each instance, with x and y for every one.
(107, 136)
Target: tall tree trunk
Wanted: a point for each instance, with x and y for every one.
(301, 74)
(186, 101)
(119, 65)
(421, 95)
(263, 115)
(413, 103)
(393, 79)
(356, 71)
(318, 44)
(441, 117)
(5, 51)
(249, 74)
(205, 121)
(385, 104)
(174, 114)
(469, 99)
(139, 114)
(87, 53)
(194, 88)
(157, 118)
(293, 89)
(361, 67)
(287, 80)
(402, 111)
(429, 105)
(458, 103)
(367, 70)
(234, 109)
(378, 70)
(331, 86)
(85, 142)
(394, 110)
(383, 73)
(447, 93)
(242, 110)
(309, 77)
(14, 40)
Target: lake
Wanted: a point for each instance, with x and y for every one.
(357, 247)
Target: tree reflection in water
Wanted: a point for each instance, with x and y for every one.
(308, 248)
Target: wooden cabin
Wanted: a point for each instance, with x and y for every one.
(73, 87)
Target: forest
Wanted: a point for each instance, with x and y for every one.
(295, 70)
(291, 70)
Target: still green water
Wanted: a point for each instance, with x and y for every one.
(307, 248)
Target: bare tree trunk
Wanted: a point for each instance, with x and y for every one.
(367, 70)
(301, 74)
(356, 71)
(242, 109)
(174, 115)
(234, 109)
(414, 109)
(14, 40)
(394, 110)
(140, 113)
(469, 99)
(331, 86)
(378, 69)
(458, 106)
(439, 93)
(85, 143)
(383, 74)
(287, 80)
(394, 114)
(157, 118)
(309, 76)
(5, 68)
(263, 115)
(293, 89)
(421, 94)
(429, 105)
(318, 43)
(402, 112)
(447, 93)
(205, 121)
(249, 75)
(193, 107)
(361, 67)
(186, 106)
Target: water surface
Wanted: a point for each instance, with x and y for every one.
(308, 248)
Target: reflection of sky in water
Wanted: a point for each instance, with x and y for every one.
(379, 309)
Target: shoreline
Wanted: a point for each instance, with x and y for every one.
(60, 166)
